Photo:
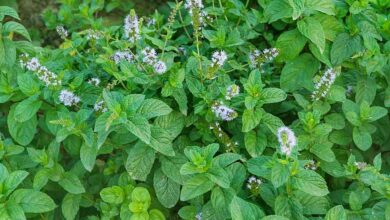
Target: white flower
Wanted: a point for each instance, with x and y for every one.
(68, 98)
(160, 67)
(194, 3)
(287, 140)
(232, 91)
(62, 31)
(94, 81)
(150, 55)
(99, 106)
(323, 86)
(132, 28)
(223, 112)
(253, 183)
(33, 64)
(218, 58)
(94, 35)
(198, 17)
(122, 55)
(361, 165)
(258, 57)
(46, 76)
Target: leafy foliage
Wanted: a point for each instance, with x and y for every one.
(268, 109)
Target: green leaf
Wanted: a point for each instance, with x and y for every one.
(33, 201)
(13, 181)
(195, 186)
(323, 151)
(378, 161)
(361, 138)
(336, 213)
(314, 205)
(140, 127)
(365, 90)
(151, 108)
(70, 206)
(112, 195)
(167, 191)
(332, 27)
(27, 109)
(219, 176)
(27, 84)
(311, 182)
(11, 211)
(355, 202)
(220, 203)
(276, 10)
(88, 156)
(71, 183)
(10, 50)
(297, 6)
(280, 174)
(312, 29)
(376, 113)
(140, 161)
(272, 122)
(255, 143)
(298, 73)
(336, 120)
(12, 26)
(22, 132)
(161, 141)
(243, 210)
(251, 118)
(5, 10)
(290, 44)
(274, 217)
(272, 95)
(171, 167)
(344, 46)
(288, 207)
(324, 6)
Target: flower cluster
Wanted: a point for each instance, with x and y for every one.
(223, 112)
(258, 57)
(62, 31)
(323, 86)
(94, 81)
(287, 140)
(45, 75)
(122, 55)
(360, 165)
(150, 58)
(310, 165)
(132, 27)
(99, 106)
(68, 98)
(218, 59)
(232, 91)
(195, 9)
(253, 183)
(93, 34)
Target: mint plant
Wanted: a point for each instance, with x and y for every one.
(242, 110)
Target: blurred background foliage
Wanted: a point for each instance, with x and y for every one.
(41, 17)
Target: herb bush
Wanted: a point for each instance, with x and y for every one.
(275, 109)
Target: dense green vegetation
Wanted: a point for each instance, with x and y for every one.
(213, 109)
